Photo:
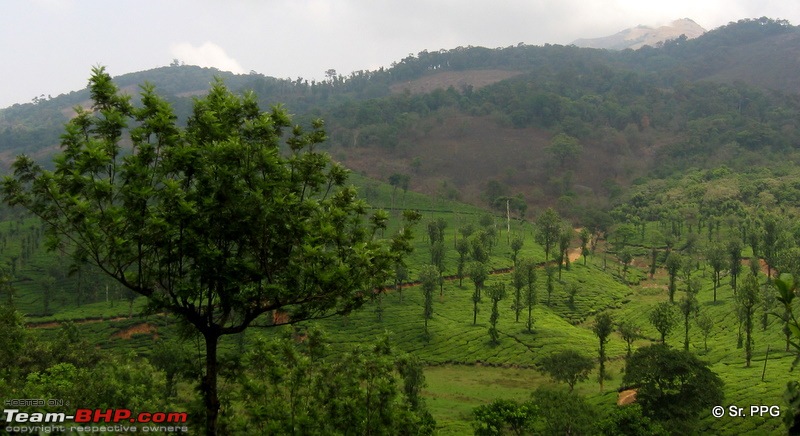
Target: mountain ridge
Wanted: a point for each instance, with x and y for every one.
(641, 35)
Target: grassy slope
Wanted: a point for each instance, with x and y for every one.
(466, 370)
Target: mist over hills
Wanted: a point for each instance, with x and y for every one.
(475, 124)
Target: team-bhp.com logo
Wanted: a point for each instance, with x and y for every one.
(88, 417)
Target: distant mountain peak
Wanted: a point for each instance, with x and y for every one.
(641, 35)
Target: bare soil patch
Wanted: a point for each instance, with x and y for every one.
(456, 79)
(143, 328)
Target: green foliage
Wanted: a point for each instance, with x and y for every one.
(290, 386)
(706, 324)
(548, 230)
(496, 293)
(562, 412)
(663, 317)
(629, 332)
(747, 298)
(629, 421)
(503, 417)
(211, 222)
(429, 277)
(674, 263)
(603, 327)
(478, 274)
(567, 366)
(564, 148)
(673, 386)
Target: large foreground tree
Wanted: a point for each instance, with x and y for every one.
(227, 223)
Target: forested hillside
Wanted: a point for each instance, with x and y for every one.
(723, 98)
(544, 231)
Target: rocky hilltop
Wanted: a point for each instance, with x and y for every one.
(639, 36)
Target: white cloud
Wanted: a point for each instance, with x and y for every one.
(206, 55)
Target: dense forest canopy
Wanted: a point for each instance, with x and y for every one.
(636, 113)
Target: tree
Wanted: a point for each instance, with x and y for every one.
(296, 387)
(717, 259)
(496, 293)
(688, 306)
(564, 238)
(626, 257)
(673, 386)
(562, 413)
(550, 286)
(629, 420)
(629, 332)
(518, 279)
(673, 263)
(437, 260)
(706, 324)
(567, 366)
(501, 414)
(462, 247)
(398, 180)
(734, 251)
(529, 267)
(585, 236)
(747, 298)
(663, 318)
(603, 326)
(548, 229)
(210, 222)
(564, 148)
(429, 277)
(478, 273)
(516, 245)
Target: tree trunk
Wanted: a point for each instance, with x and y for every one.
(209, 385)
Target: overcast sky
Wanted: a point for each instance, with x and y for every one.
(49, 46)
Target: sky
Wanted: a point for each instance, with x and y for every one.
(48, 47)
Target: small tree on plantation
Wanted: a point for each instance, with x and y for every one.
(550, 285)
(663, 317)
(548, 229)
(629, 332)
(462, 247)
(572, 291)
(567, 366)
(653, 260)
(768, 301)
(585, 237)
(478, 249)
(516, 245)
(519, 279)
(747, 298)
(717, 259)
(496, 293)
(529, 269)
(478, 273)
(437, 260)
(688, 306)
(603, 326)
(563, 248)
(429, 278)
(626, 257)
(706, 324)
(400, 276)
(673, 263)
(734, 261)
